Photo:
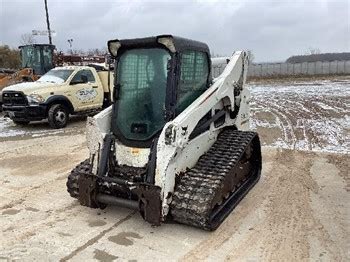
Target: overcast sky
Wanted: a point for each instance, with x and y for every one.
(272, 29)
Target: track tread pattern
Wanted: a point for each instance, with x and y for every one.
(84, 168)
(193, 196)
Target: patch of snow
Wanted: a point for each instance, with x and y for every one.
(9, 129)
(312, 116)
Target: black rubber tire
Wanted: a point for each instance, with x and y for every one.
(21, 122)
(58, 116)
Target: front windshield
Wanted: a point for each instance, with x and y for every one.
(57, 76)
(31, 58)
(37, 57)
(142, 80)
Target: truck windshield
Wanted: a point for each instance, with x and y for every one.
(57, 76)
(142, 81)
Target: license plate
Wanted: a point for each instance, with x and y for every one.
(11, 114)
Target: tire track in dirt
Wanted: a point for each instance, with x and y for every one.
(290, 224)
(96, 238)
(48, 217)
(283, 227)
(322, 108)
(284, 124)
(44, 186)
(27, 194)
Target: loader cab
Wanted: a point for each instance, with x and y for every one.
(39, 57)
(156, 78)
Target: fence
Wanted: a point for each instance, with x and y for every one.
(306, 68)
(288, 69)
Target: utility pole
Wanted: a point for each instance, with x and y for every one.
(48, 22)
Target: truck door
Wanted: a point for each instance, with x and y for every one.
(85, 91)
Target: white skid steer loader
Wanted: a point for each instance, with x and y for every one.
(175, 143)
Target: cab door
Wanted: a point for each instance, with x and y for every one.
(85, 91)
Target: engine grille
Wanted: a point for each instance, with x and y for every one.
(14, 99)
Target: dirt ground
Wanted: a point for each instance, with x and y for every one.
(299, 210)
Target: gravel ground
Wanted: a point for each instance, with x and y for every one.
(298, 211)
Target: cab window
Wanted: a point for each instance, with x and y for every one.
(193, 78)
(47, 57)
(84, 72)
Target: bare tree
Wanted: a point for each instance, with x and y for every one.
(97, 51)
(104, 50)
(214, 55)
(80, 52)
(27, 39)
(313, 51)
(251, 56)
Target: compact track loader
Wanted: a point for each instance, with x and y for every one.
(37, 59)
(175, 143)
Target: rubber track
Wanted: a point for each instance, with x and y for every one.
(193, 196)
(72, 183)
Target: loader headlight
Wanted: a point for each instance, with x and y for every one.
(168, 42)
(113, 46)
(34, 99)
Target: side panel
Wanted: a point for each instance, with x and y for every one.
(96, 129)
(243, 117)
(103, 75)
(97, 86)
(88, 95)
(82, 96)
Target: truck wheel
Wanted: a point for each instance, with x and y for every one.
(21, 122)
(58, 116)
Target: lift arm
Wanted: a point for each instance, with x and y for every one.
(175, 148)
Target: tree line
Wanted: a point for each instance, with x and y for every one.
(9, 57)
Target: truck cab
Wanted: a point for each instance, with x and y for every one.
(61, 92)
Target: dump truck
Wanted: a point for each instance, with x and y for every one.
(175, 143)
(61, 92)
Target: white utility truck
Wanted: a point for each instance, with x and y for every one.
(61, 92)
